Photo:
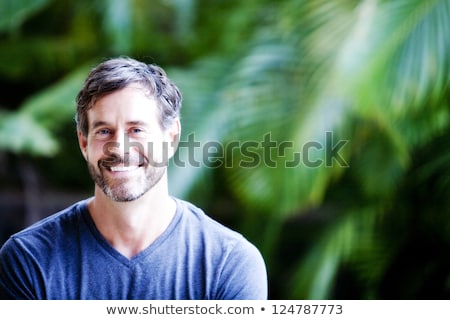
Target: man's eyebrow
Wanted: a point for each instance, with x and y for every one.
(99, 123)
(137, 123)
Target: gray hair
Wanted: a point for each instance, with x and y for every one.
(117, 73)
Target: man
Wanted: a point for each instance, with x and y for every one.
(131, 240)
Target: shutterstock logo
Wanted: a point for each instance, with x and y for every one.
(245, 154)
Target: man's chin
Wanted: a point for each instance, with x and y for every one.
(123, 195)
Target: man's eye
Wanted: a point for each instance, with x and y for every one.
(103, 132)
(136, 130)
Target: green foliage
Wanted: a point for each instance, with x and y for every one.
(373, 73)
(20, 133)
(29, 130)
(14, 12)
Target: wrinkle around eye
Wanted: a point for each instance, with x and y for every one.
(103, 133)
(137, 130)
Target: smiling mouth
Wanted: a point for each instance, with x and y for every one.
(118, 164)
(123, 169)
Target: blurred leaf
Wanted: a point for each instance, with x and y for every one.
(352, 233)
(118, 24)
(14, 12)
(408, 65)
(266, 98)
(47, 57)
(56, 104)
(202, 121)
(29, 130)
(21, 134)
(185, 15)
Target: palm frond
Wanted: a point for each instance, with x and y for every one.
(14, 12)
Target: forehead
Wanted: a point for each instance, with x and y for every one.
(129, 104)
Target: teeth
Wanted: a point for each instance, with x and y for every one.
(123, 169)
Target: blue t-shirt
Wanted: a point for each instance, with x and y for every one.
(65, 257)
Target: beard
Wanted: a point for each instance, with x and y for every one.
(124, 189)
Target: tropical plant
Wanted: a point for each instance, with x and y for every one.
(375, 75)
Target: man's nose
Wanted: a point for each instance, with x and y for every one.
(117, 143)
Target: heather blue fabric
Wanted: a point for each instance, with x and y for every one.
(65, 257)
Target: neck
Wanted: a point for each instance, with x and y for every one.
(132, 226)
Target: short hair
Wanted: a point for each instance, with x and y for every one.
(117, 73)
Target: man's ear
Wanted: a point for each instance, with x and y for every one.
(173, 135)
(82, 141)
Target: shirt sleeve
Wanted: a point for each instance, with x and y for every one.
(15, 274)
(243, 275)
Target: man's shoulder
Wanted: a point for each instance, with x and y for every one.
(198, 218)
(238, 261)
(52, 227)
(195, 220)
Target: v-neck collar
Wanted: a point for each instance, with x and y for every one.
(129, 262)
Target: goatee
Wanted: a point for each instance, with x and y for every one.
(124, 189)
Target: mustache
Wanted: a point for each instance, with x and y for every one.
(115, 159)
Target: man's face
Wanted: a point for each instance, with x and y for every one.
(126, 150)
